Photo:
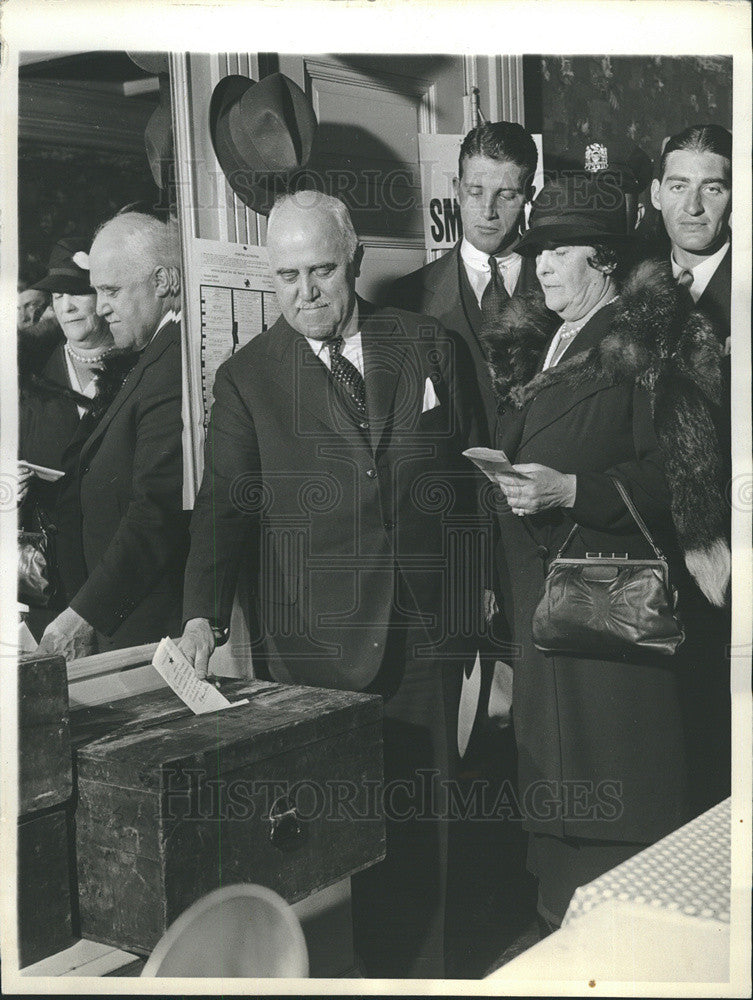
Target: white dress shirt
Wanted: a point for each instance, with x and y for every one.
(351, 349)
(476, 264)
(703, 272)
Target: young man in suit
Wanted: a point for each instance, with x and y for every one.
(130, 468)
(495, 181)
(694, 195)
(334, 475)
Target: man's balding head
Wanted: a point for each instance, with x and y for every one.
(134, 265)
(315, 259)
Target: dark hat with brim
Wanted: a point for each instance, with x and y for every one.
(577, 208)
(68, 271)
(262, 134)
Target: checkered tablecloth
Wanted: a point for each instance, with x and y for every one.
(687, 872)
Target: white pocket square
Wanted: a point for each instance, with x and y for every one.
(430, 397)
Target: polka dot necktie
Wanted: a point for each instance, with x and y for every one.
(495, 294)
(347, 375)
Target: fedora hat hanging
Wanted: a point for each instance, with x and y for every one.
(262, 134)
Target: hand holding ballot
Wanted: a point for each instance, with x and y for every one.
(197, 645)
(200, 696)
(529, 488)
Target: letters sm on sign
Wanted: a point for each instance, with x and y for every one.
(438, 160)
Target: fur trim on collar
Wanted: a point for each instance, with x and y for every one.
(674, 354)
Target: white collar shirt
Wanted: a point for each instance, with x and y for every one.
(352, 349)
(477, 268)
(703, 272)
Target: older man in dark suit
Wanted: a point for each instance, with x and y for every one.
(130, 481)
(334, 473)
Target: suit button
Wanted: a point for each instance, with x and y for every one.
(389, 525)
(543, 551)
(500, 410)
(371, 473)
(364, 424)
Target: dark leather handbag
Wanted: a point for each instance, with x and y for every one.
(36, 559)
(608, 604)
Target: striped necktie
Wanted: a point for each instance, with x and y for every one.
(495, 294)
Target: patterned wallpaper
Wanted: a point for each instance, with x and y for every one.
(575, 100)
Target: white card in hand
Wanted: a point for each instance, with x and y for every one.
(200, 696)
(492, 461)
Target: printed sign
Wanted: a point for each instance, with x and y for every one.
(438, 160)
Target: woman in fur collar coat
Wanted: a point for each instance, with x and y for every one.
(627, 385)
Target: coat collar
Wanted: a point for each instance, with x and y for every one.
(560, 403)
(301, 374)
(154, 350)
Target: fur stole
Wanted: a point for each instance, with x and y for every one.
(658, 342)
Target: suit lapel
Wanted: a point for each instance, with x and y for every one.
(716, 299)
(300, 374)
(149, 355)
(384, 345)
(445, 298)
(527, 279)
(564, 397)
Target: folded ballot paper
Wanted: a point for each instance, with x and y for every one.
(491, 461)
(200, 696)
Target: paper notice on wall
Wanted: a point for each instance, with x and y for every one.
(438, 161)
(174, 668)
(237, 302)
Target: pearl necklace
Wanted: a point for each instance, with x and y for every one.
(570, 332)
(90, 360)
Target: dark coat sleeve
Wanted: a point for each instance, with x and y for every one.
(151, 527)
(227, 509)
(598, 505)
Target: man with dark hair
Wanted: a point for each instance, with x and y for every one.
(693, 192)
(471, 282)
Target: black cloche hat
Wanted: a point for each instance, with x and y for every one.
(68, 270)
(577, 207)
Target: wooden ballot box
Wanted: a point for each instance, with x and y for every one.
(46, 869)
(282, 791)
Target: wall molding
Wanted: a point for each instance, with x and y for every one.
(60, 114)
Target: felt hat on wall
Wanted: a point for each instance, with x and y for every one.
(262, 134)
